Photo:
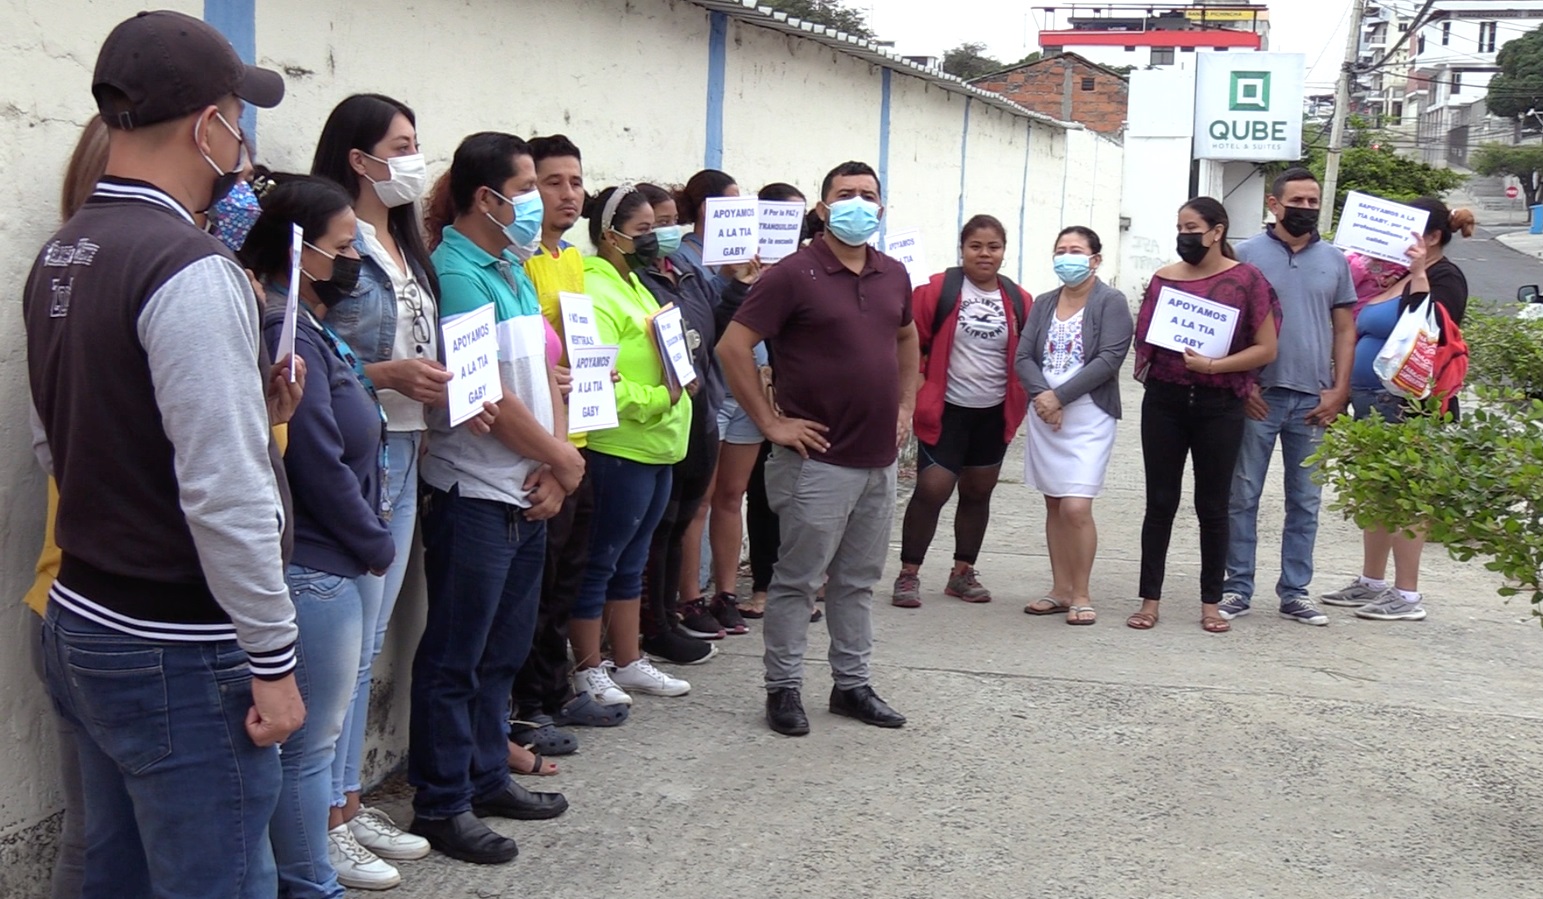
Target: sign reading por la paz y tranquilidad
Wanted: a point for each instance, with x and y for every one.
(730, 230)
(781, 222)
(471, 355)
(1248, 106)
(1183, 321)
(1379, 228)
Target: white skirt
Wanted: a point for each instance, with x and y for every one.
(1073, 460)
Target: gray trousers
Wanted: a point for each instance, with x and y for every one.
(835, 521)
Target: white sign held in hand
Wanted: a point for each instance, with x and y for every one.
(471, 355)
(579, 329)
(730, 230)
(1379, 228)
(286, 345)
(1183, 321)
(906, 246)
(670, 332)
(781, 222)
(592, 402)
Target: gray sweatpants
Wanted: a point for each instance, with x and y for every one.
(835, 521)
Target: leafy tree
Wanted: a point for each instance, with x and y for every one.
(1372, 166)
(1036, 56)
(831, 13)
(969, 61)
(1499, 159)
(1518, 87)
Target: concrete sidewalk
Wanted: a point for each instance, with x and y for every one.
(1361, 759)
(1523, 242)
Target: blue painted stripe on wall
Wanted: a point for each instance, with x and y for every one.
(1023, 197)
(884, 76)
(237, 20)
(964, 157)
(717, 59)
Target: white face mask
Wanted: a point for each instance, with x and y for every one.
(409, 175)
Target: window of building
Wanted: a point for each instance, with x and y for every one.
(1487, 36)
(1089, 84)
(1130, 49)
(1446, 33)
(1162, 56)
(1457, 83)
(1421, 48)
(1053, 51)
(1403, 26)
(1188, 49)
(1396, 113)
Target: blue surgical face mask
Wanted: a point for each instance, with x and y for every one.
(524, 230)
(669, 239)
(853, 221)
(1073, 268)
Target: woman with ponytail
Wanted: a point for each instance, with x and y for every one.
(1193, 404)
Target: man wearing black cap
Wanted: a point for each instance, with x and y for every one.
(169, 639)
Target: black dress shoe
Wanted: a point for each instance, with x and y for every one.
(465, 838)
(864, 705)
(514, 801)
(785, 712)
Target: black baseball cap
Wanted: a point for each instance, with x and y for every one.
(163, 65)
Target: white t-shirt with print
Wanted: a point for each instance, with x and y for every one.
(977, 365)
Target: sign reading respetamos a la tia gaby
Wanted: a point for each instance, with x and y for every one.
(1248, 106)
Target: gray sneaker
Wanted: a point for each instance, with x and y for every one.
(1233, 605)
(1391, 606)
(1354, 596)
(908, 592)
(967, 586)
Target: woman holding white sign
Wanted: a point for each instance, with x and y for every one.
(1074, 342)
(1193, 406)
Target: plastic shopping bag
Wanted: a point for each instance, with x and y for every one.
(1407, 361)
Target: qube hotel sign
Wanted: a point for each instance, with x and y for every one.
(1248, 106)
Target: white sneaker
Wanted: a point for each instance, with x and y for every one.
(642, 677)
(376, 832)
(598, 684)
(358, 868)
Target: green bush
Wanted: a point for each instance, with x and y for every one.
(1505, 352)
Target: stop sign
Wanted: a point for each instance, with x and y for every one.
(1512, 193)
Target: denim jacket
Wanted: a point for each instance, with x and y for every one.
(366, 318)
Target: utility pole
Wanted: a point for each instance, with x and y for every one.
(1341, 113)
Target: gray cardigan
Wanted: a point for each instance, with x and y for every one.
(1107, 328)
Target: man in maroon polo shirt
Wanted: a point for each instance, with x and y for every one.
(838, 317)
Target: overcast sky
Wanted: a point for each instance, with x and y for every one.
(1010, 32)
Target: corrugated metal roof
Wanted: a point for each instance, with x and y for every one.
(764, 17)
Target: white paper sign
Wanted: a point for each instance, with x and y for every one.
(1378, 228)
(579, 329)
(730, 232)
(670, 331)
(1184, 321)
(471, 355)
(592, 402)
(780, 222)
(906, 246)
(286, 345)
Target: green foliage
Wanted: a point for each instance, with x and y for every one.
(831, 13)
(1518, 86)
(1474, 486)
(969, 61)
(1373, 167)
(1036, 56)
(1500, 159)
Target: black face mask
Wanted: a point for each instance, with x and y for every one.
(1192, 248)
(345, 277)
(1299, 220)
(645, 251)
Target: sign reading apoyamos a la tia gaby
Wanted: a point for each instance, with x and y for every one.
(1248, 106)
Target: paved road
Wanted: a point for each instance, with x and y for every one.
(1494, 270)
(1396, 761)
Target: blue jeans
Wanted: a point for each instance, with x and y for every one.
(1298, 440)
(629, 502)
(327, 609)
(178, 797)
(1392, 408)
(483, 561)
(377, 599)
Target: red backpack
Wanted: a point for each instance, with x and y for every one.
(1450, 370)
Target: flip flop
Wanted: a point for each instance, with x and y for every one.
(539, 768)
(1081, 615)
(1056, 607)
(1217, 625)
(1141, 621)
(539, 734)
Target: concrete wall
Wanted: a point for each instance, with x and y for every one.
(1156, 164)
(643, 86)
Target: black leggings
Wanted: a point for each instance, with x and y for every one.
(761, 525)
(688, 489)
(1205, 423)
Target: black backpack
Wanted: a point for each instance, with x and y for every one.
(953, 286)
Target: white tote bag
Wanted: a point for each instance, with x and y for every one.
(1406, 364)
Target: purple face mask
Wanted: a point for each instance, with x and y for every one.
(234, 215)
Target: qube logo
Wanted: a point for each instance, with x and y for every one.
(1250, 92)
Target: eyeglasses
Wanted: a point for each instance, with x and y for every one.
(412, 295)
